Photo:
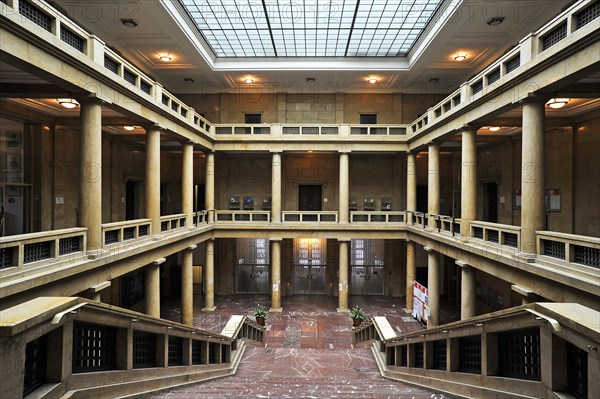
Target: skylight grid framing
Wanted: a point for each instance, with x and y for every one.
(311, 28)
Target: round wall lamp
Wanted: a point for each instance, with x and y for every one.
(495, 21)
(68, 103)
(556, 103)
(128, 22)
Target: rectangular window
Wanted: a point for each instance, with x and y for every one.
(253, 118)
(368, 119)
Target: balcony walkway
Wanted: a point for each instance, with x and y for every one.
(308, 352)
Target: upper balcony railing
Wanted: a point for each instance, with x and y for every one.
(60, 32)
(118, 232)
(537, 45)
(575, 249)
(29, 251)
(289, 131)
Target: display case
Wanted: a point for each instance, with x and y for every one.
(248, 203)
(266, 204)
(352, 205)
(234, 203)
(369, 204)
(386, 204)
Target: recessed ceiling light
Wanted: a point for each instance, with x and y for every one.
(372, 80)
(248, 80)
(494, 128)
(69, 103)
(128, 22)
(165, 57)
(495, 21)
(188, 80)
(460, 56)
(128, 127)
(557, 103)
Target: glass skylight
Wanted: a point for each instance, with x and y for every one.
(313, 28)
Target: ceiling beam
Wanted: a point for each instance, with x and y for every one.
(19, 90)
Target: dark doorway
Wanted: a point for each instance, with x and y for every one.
(310, 197)
(422, 199)
(490, 202)
(132, 200)
(199, 197)
(368, 119)
(252, 118)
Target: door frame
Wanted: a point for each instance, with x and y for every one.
(323, 185)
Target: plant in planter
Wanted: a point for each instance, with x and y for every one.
(260, 314)
(357, 315)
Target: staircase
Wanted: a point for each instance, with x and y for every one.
(303, 373)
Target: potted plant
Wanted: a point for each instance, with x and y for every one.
(260, 314)
(357, 315)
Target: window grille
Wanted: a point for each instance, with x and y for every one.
(554, 249)
(37, 251)
(73, 40)
(35, 364)
(35, 15)
(519, 353)
(555, 36)
(94, 347)
(175, 351)
(439, 355)
(144, 349)
(588, 15)
(69, 245)
(111, 64)
(587, 256)
(470, 354)
(513, 63)
(419, 355)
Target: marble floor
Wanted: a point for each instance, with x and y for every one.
(308, 351)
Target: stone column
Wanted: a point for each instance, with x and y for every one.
(411, 186)
(433, 182)
(152, 183)
(468, 299)
(343, 279)
(209, 278)
(344, 188)
(209, 186)
(275, 277)
(187, 183)
(433, 287)
(152, 276)
(90, 175)
(187, 286)
(411, 274)
(468, 181)
(276, 188)
(532, 176)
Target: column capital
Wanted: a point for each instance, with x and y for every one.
(275, 239)
(526, 292)
(462, 265)
(469, 128)
(532, 98)
(192, 247)
(92, 98)
(344, 239)
(428, 249)
(276, 151)
(344, 151)
(152, 126)
(159, 261)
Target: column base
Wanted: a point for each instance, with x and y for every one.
(156, 237)
(211, 309)
(525, 257)
(342, 310)
(407, 311)
(95, 254)
(275, 310)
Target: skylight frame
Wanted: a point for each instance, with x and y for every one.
(311, 28)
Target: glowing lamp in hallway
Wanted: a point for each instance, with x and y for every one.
(68, 103)
(248, 80)
(494, 128)
(165, 57)
(557, 103)
(128, 127)
(460, 56)
(372, 80)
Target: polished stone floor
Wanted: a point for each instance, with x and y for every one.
(308, 352)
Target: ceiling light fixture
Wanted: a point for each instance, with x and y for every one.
(128, 127)
(495, 21)
(460, 56)
(248, 80)
(165, 57)
(556, 103)
(494, 128)
(128, 22)
(188, 80)
(372, 80)
(68, 103)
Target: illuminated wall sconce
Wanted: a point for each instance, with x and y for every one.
(68, 103)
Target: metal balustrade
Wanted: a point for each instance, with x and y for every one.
(379, 130)
(41, 249)
(308, 216)
(242, 216)
(172, 222)
(495, 233)
(377, 217)
(496, 352)
(118, 232)
(234, 129)
(310, 129)
(575, 249)
(136, 352)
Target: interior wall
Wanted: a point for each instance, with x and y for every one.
(378, 176)
(310, 169)
(242, 175)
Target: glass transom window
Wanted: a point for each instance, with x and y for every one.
(313, 28)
